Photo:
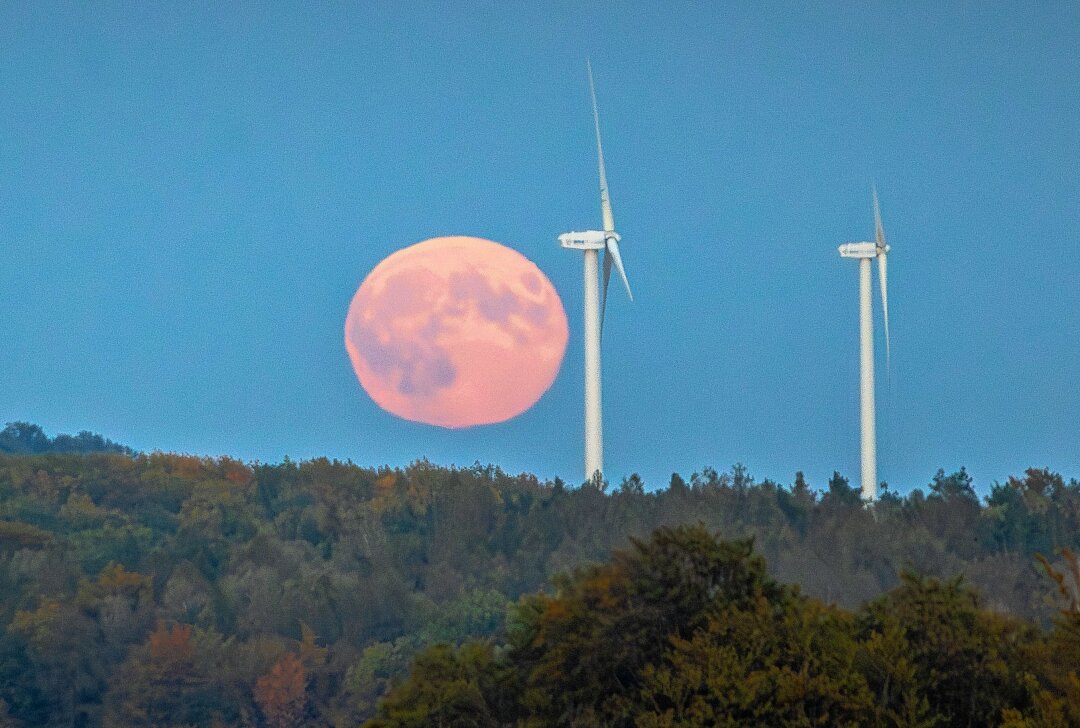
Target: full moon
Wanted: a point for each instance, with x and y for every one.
(456, 332)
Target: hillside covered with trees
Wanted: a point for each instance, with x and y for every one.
(170, 590)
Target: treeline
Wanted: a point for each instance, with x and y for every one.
(23, 438)
(168, 590)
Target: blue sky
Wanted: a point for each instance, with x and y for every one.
(190, 195)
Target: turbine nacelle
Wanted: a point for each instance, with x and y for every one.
(862, 250)
(587, 239)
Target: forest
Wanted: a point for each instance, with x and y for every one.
(154, 589)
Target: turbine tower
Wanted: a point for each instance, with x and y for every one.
(591, 242)
(864, 252)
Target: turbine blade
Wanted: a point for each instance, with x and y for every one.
(879, 231)
(607, 277)
(612, 257)
(605, 198)
(882, 253)
(883, 278)
(611, 252)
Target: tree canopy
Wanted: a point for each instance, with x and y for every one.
(249, 593)
(689, 630)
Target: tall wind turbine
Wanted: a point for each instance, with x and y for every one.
(591, 242)
(865, 252)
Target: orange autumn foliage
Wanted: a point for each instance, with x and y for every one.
(282, 694)
(170, 645)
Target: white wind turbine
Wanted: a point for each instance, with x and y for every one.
(591, 242)
(864, 252)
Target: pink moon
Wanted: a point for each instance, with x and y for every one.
(456, 332)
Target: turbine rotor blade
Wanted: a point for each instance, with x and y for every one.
(882, 253)
(612, 257)
(883, 279)
(605, 198)
(607, 278)
(879, 231)
(611, 252)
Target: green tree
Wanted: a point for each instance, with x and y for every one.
(930, 639)
(1059, 656)
(68, 658)
(785, 662)
(584, 650)
(445, 689)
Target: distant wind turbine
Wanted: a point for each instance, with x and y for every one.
(591, 242)
(864, 252)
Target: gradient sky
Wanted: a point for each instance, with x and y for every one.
(190, 195)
